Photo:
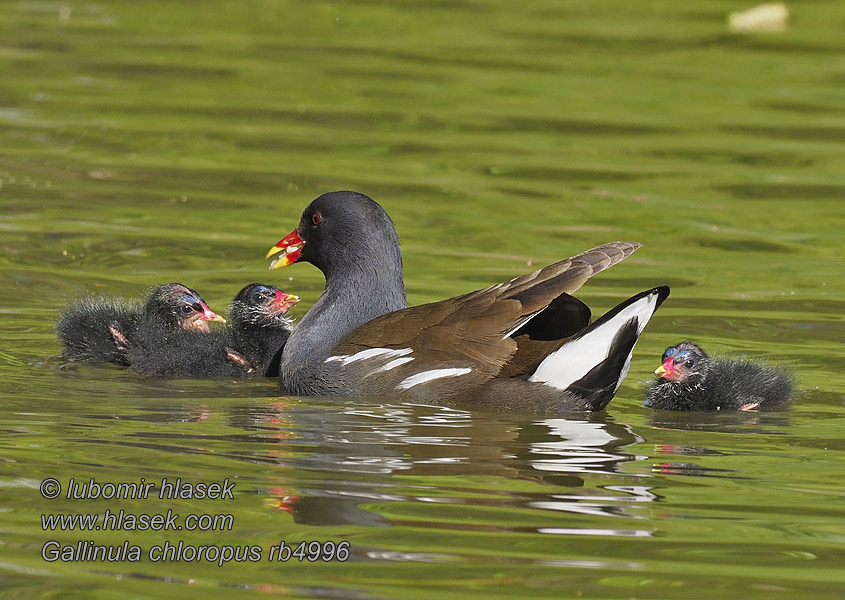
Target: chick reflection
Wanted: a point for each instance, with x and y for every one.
(770, 422)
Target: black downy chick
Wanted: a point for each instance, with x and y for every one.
(173, 331)
(101, 330)
(688, 379)
(259, 330)
(260, 327)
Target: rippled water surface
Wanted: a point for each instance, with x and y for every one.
(149, 142)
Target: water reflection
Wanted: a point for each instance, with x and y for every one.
(772, 422)
(691, 469)
(735, 422)
(584, 447)
(384, 452)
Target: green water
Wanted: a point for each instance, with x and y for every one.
(149, 142)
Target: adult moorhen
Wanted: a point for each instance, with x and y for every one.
(525, 344)
(249, 349)
(100, 329)
(688, 379)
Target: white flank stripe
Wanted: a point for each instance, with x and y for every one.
(369, 353)
(575, 359)
(396, 363)
(427, 376)
(365, 354)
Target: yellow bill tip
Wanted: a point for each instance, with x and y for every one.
(280, 262)
(273, 252)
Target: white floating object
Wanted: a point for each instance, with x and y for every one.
(772, 17)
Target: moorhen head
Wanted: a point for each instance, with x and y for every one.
(262, 305)
(340, 233)
(524, 344)
(688, 379)
(686, 362)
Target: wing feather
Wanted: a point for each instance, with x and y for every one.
(473, 327)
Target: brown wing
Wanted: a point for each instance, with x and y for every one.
(476, 327)
(564, 317)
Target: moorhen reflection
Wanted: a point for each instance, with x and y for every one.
(553, 463)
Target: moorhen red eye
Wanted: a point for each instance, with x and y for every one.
(524, 344)
(688, 379)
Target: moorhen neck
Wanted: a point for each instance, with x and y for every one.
(688, 379)
(525, 344)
